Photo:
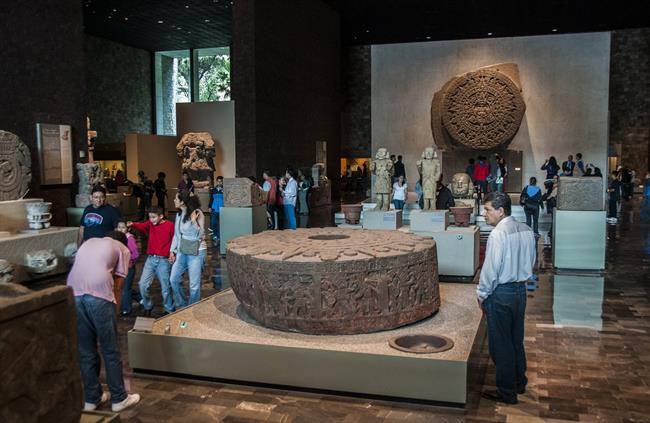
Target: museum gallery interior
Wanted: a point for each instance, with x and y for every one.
(324, 210)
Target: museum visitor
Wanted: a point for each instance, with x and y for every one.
(126, 302)
(400, 192)
(289, 192)
(216, 202)
(270, 186)
(98, 218)
(531, 200)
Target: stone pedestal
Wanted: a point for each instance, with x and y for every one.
(579, 239)
(391, 220)
(429, 221)
(40, 366)
(238, 221)
(458, 250)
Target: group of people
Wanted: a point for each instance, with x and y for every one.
(286, 196)
(487, 175)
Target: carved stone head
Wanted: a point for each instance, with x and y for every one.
(382, 153)
(428, 153)
(460, 185)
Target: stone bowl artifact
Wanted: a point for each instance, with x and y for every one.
(41, 261)
(421, 344)
(352, 213)
(461, 215)
(334, 280)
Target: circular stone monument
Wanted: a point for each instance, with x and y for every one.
(334, 280)
(15, 167)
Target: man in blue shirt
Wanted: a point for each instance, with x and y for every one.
(216, 202)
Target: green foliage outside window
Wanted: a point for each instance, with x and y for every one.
(213, 75)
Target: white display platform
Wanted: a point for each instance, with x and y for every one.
(429, 221)
(238, 221)
(457, 250)
(215, 338)
(579, 239)
(386, 220)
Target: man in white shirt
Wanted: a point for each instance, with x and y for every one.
(509, 261)
(289, 194)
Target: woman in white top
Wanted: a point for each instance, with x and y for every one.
(289, 194)
(399, 193)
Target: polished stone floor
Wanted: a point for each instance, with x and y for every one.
(587, 342)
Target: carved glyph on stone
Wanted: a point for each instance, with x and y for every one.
(6, 271)
(197, 150)
(478, 110)
(382, 168)
(15, 167)
(429, 169)
(461, 186)
(90, 174)
(242, 192)
(41, 261)
(334, 280)
(38, 214)
(580, 193)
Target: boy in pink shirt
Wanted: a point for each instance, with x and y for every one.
(127, 298)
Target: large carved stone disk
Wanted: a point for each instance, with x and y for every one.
(482, 109)
(15, 167)
(333, 280)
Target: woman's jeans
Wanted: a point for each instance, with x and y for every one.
(193, 265)
(125, 306)
(505, 310)
(399, 204)
(97, 321)
(290, 215)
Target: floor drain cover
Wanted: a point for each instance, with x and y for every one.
(421, 344)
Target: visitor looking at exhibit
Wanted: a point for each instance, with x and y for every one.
(400, 169)
(270, 186)
(480, 176)
(216, 202)
(551, 167)
(501, 173)
(98, 218)
(161, 190)
(614, 192)
(531, 200)
(509, 260)
(400, 192)
(159, 232)
(96, 279)
(444, 196)
(289, 191)
(126, 303)
(580, 164)
(188, 249)
(568, 166)
(186, 183)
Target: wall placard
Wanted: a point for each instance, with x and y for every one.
(54, 144)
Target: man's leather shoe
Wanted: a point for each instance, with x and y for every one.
(496, 396)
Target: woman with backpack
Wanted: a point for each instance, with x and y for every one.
(531, 200)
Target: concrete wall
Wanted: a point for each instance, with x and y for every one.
(217, 118)
(152, 154)
(565, 81)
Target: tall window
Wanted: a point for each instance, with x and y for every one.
(189, 75)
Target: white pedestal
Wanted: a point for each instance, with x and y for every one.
(238, 221)
(579, 239)
(457, 250)
(429, 221)
(387, 220)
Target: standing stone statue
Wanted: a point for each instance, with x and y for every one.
(15, 167)
(382, 168)
(90, 174)
(429, 169)
(197, 150)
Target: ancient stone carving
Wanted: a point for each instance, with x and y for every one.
(15, 167)
(38, 215)
(197, 150)
(41, 261)
(334, 280)
(382, 168)
(40, 374)
(6, 271)
(242, 192)
(461, 186)
(429, 169)
(479, 110)
(462, 215)
(90, 174)
(580, 193)
(352, 213)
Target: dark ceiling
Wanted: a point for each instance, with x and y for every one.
(180, 24)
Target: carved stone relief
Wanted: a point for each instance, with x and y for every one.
(197, 150)
(242, 192)
(580, 193)
(334, 280)
(15, 167)
(461, 186)
(90, 174)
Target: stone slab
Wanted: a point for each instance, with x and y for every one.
(13, 214)
(242, 192)
(238, 221)
(579, 239)
(386, 220)
(247, 351)
(580, 193)
(457, 249)
(429, 221)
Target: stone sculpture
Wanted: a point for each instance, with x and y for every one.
(429, 169)
(6, 271)
(462, 215)
(334, 280)
(580, 193)
(479, 110)
(461, 186)
(41, 261)
(242, 192)
(40, 374)
(196, 150)
(382, 168)
(38, 215)
(90, 174)
(15, 167)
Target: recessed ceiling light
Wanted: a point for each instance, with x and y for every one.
(554, 29)
(489, 34)
(187, 6)
(367, 30)
(428, 37)
(161, 22)
(126, 19)
(114, 10)
(207, 20)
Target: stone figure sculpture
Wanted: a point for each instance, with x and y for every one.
(15, 167)
(90, 174)
(429, 169)
(461, 186)
(478, 110)
(197, 150)
(334, 280)
(382, 168)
